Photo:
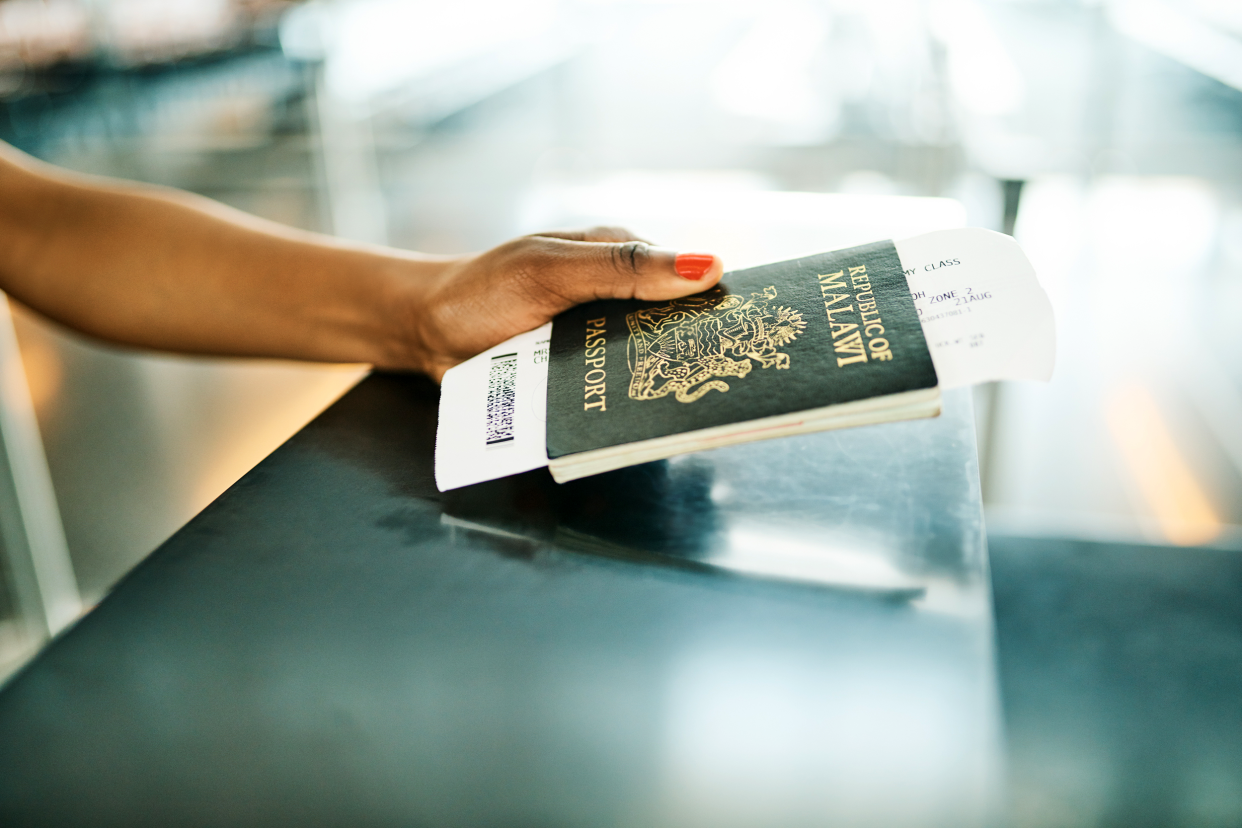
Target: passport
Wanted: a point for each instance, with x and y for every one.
(825, 341)
(804, 345)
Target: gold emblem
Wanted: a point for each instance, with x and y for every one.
(683, 347)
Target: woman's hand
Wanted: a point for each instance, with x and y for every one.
(478, 301)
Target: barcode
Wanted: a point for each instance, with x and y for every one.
(501, 382)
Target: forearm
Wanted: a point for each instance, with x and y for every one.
(167, 270)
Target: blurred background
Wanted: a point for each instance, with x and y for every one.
(1106, 135)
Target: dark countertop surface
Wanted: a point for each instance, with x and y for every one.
(333, 642)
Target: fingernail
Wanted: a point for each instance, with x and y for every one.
(693, 266)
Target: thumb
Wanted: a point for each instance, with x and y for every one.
(585, 271)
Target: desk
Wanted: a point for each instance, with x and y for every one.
(333, 642)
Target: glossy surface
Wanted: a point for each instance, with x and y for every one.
(1121, 672)
(332, 642)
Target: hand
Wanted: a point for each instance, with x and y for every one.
(478, 301)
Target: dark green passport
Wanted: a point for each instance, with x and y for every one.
(825, 341)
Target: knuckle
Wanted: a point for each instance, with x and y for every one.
(631, 257)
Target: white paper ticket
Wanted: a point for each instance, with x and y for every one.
(983, 312)
(982, 309)
(493, 413)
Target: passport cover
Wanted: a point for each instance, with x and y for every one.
(803, 334)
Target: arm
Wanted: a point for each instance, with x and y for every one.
(165, 269)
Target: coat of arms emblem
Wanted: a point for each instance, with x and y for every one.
(684, 347)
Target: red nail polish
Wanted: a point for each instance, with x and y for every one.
(693, 266)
